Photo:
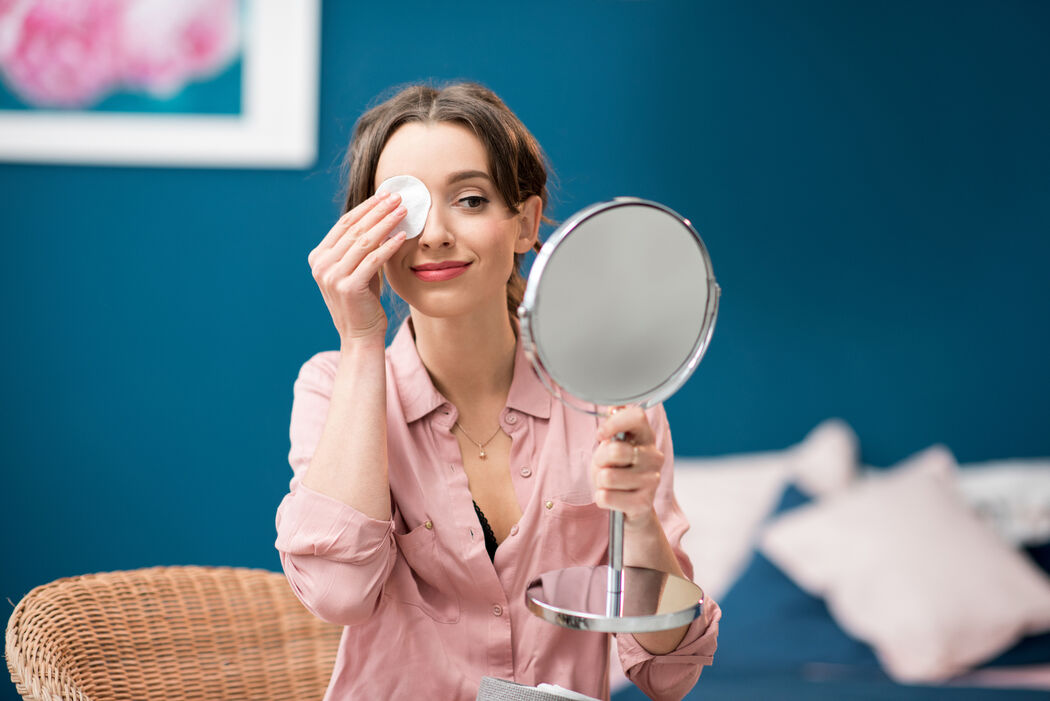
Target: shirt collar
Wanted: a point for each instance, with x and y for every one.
(419, 397)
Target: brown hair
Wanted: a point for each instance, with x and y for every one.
(516, 161)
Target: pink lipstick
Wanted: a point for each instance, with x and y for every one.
(439, 272)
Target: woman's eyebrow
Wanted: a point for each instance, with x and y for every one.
(467, 174)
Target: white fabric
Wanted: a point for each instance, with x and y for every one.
(1011, 496)
(416, 198)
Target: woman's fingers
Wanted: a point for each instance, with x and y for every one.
(361, 227)
(620, 454)
(626, 473)
(630, 420)
(346, 262)
(340, 227)
(371, 264)
(631, 490)
(348, 227)
(365, 244)
(625, 479)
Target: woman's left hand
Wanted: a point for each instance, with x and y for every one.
(626, 473)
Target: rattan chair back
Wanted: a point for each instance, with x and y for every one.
(169, 633)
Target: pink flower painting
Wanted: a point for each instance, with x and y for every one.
(73, 53)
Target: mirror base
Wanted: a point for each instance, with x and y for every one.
(578, 598)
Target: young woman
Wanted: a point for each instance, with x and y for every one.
(435, 478)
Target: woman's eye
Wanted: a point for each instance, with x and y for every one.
(474, 201)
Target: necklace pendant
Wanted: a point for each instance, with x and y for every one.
(481, 455)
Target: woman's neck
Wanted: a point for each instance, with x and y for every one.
(470, 358)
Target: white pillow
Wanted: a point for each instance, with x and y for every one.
(1010, 496)
(727, 498)
(905, 565)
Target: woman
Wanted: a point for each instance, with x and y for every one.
(435, 478)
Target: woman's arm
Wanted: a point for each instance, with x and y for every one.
(350, 463)
(666, 664)
(322, 539)
(645, 545)
(335, 525)
(627, 476)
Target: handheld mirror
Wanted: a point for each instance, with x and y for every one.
(619, 308)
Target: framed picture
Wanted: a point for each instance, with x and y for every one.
(195, 83)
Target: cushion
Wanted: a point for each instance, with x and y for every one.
(904, 564)
(769, 624)
(726, 498)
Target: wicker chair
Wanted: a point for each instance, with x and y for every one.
(169, 633)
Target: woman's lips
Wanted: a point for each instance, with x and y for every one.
(440, 272)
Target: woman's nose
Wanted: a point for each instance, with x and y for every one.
(435, 234)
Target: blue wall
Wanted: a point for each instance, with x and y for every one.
(872, 181)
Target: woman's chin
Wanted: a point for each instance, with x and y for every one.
(449, 300)
(437, 305)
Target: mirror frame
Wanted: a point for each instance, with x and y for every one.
(526, 313)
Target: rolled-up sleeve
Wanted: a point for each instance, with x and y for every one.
(335, 558)
(671, 675)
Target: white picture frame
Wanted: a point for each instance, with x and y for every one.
(277, 126)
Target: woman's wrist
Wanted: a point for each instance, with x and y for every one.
(646, 545)
(647, 524)
(352, 345)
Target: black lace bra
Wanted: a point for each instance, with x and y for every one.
(490, 537)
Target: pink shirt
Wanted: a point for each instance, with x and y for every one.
(427, 613)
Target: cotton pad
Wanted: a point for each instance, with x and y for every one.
(416, 198)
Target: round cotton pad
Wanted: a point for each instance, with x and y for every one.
(416, 198)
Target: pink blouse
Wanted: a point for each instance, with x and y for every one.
(427, 613)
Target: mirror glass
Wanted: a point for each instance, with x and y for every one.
(621, 303)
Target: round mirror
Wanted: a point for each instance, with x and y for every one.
(620, 304)
(619, 308)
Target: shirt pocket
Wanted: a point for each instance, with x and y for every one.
(420, 578)
(576, 532)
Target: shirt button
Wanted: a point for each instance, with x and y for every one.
(525, 472)
(512, 418)
(497, 610)
(428, 525)
(514, 529)
(549, 504)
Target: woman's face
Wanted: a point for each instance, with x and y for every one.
(468, 225)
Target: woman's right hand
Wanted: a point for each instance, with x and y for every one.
(347, 262)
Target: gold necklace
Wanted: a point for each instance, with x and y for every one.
(481, 446)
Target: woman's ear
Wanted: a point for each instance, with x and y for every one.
(531, 211)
